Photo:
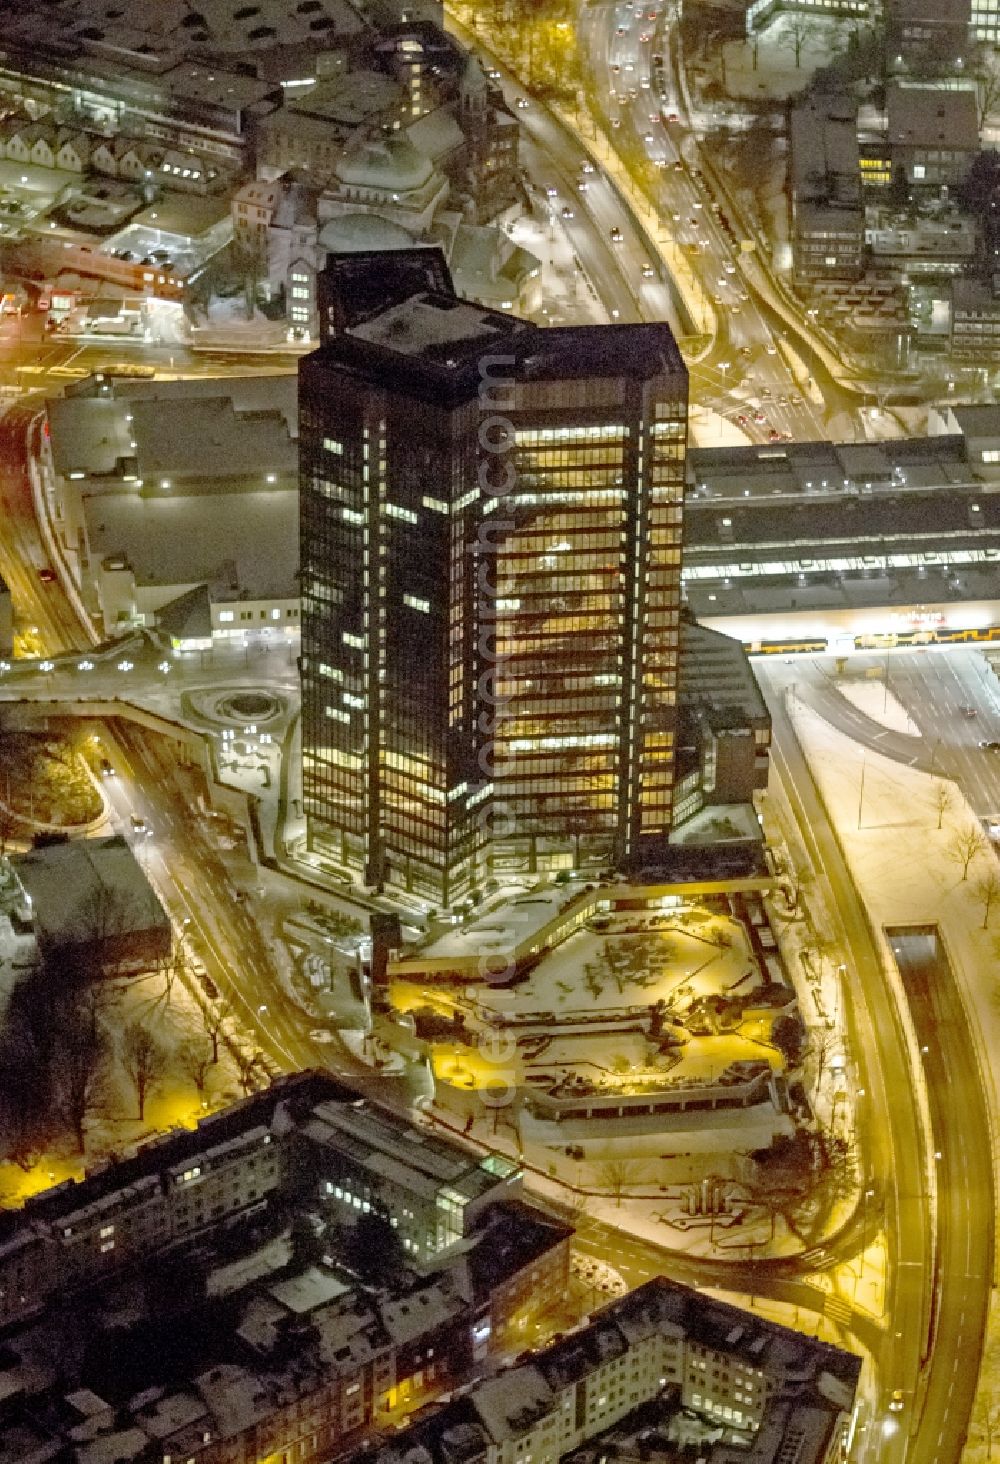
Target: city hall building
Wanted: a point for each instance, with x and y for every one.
(490, 556)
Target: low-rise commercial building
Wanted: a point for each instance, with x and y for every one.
(92, 908)
(928, 31)
(975, 321)
(882, 538)
(158, 489)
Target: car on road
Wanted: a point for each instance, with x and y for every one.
(672, 117)
(648, 271)
(567, 212)
(523, 103)
(991, 745)
(321, 1034)
(582, 185)
(107, 771)
(552, 192)
(694, 223)
(774, 435)
(616, 235)
(896, 1401)
(771, 348)
(758, 416)
(587, 168)
(729, 267)
(46, 575)
(743, 420)
(746, 351)
(139, 824)
(968, 711)
(678, 166)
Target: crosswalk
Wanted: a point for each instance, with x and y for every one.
(838, 1310)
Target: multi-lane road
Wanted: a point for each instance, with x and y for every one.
(965, 1219)
(950, 695)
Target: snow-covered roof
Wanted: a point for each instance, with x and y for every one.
(391, 163)
(353, 232)
(351, 97)
(512, 1402)
(308, 1289)
(435, 134)
(88, 889)
(411, 1316)
(243, 545)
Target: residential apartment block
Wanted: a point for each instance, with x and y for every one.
(211, 1303)
(707, 1376)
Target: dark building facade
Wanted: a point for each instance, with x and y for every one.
(491, 531)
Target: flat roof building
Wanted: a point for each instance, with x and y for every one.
(157, 489)
(824, 182)
(93, 909)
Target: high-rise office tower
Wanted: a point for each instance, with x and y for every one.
(491, 541)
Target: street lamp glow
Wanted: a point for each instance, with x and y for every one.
(85, 666)
(125, 665)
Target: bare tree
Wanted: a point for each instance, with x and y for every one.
(248, 1069)
(987, 77)
(194, 1060)
(986, 1419)
(943, 800)
(142, 1059)
(214, 1018)
(795, 31)
(987, 890)
(966, 846)
(80, 1049)
(614, 1174)
(799, 879)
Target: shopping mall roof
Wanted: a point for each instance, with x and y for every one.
(243, 545)
(168, 438)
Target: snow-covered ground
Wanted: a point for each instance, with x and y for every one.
(875, 699)
(675, 964)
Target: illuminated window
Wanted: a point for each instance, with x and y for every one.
(226, 615)
(330, 445)
(919, 171)
(416, 603)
